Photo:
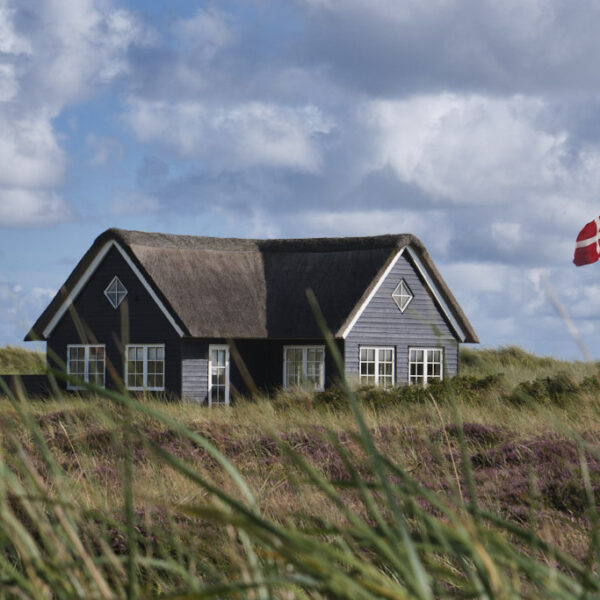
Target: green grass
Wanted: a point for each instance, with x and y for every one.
(336, 495)
(517, 365)
(20, 361)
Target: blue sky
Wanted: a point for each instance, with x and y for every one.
(473, 124)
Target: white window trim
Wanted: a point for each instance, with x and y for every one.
(377, 349)
(304, 349)
(106, 293)
(397, 295)
(425, 363)
(86, 364)
(212, 347)
(145, 367)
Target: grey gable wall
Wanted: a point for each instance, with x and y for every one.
(382, 324)
(146, 322)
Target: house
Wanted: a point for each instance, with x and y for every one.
(200, 317)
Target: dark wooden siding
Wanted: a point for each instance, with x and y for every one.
(263, 360)
(138, 320)
(255, 364)
(421, 325)
(31, 385)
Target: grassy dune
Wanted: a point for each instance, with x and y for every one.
(20, 361)
(481, 487)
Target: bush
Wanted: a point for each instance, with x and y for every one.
(560, 390)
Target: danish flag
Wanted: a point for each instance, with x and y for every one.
(587, 247)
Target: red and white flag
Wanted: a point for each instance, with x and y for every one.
(587, 247)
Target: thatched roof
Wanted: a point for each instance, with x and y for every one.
(220, 287)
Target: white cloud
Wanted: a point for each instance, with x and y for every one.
(469, 149)
(245, 135)
(30, 155)
(205, 33)
(22, 207)
(50, 56)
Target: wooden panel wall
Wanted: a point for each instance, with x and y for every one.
(138, 320)
(420, 325)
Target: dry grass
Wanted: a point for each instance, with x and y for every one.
(523, 460)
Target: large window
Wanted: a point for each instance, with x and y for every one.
(425, 365)
(304, 366)
(377, 366)
(218, 375)
(87, 363)
(145, 367)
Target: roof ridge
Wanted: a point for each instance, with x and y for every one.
(307, 244)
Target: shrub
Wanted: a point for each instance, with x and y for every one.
(559, 389)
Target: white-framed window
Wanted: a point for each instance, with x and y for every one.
(425, 365)
(115, 292)
(402, 295)
(218, 375)
(145, 367)
(376, 365)
(304, 366)
(86, 362)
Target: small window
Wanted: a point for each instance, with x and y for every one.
(402, 295)
(87, 363)
(304, 366)
(115, 292)
(145, 367)
(425, 365)
(377, 366)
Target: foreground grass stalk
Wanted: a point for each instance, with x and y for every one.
(369, 528)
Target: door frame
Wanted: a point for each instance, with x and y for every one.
(212, 347)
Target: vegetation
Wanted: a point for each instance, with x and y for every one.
(19, 361)
(484, 486)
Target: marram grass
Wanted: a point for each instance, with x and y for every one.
(111, 496)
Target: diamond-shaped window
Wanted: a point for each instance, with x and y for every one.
(115, 292)
(402, 295)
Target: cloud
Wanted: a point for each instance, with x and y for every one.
(245, 135)
(206, 33)
(387, 47)
(105, 150)
(50, 57)
(22, 305)
(133, 202)
(469, 149)
(30, 155)
(24, 208)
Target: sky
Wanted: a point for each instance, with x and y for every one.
(472, 124)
